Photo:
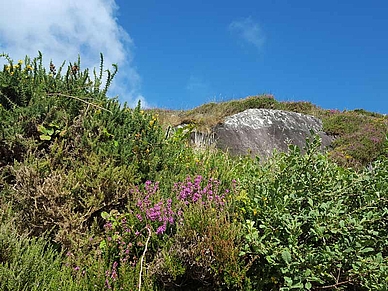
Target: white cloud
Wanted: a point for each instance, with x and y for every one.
(62, 30)
(249, 31)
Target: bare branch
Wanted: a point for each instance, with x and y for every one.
(79, 99)
(142, 257)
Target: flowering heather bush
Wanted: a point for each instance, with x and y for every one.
(192, 191)
(125, 234)
(159, 214)
(360, 137)
(205, 247)
(362, 146)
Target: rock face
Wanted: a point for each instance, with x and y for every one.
(260, 131)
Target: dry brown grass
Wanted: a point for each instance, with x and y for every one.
(208, 115)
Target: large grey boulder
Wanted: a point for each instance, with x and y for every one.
(260, 131)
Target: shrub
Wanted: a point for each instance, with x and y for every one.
(25, 263)
(312, 224)
(76, 169)
(158, 231)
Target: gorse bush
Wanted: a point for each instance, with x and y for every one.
(25, 83)
(78, 154)
(95, 195)
(36, 106)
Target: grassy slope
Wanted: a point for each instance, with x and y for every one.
(361, 135)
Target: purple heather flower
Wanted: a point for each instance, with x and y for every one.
(169, 202)
(161, 229)
(196, 197)
(114, 271)
(198, 179)
(152, 215)
(107, 284)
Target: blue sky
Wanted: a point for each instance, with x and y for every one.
(181, 54)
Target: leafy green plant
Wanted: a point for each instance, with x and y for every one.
(48, 132)
(308, 227)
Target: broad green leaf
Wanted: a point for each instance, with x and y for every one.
(103, 245)
(310, 202)
(298, 286)
(288, 281)
(105, 215)
(52, 124)
(49, 131)
(269, 259)
(41, 128)
(44, 137)
(286, 256)
(307, 272)
(367, 250)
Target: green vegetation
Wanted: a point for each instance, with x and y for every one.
(361, 136)
(95, 195)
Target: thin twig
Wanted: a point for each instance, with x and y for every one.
(79, 99)
(142, 257)
(250, 263)
(339, 272)
(334, 285)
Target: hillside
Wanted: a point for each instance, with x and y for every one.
(95, 195)
(360, 135)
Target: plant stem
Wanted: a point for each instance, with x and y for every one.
(142, 257)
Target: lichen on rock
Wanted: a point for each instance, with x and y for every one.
(260, 131)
